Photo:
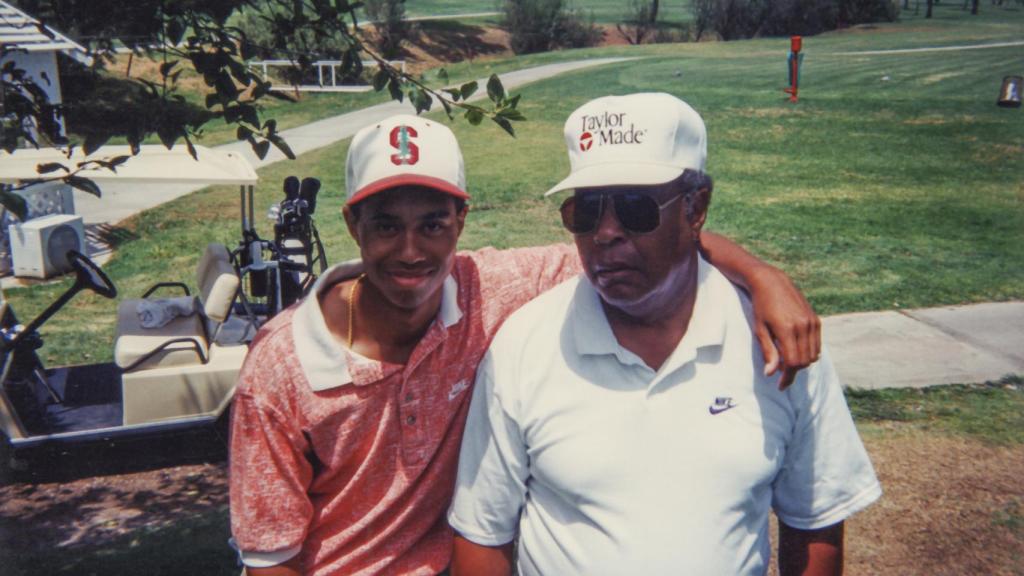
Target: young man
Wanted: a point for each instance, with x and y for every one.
(621, 423)
(350, 407)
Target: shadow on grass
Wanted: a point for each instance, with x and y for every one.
(194, 545)
(65, 463)
(155, 506)
(109, 235)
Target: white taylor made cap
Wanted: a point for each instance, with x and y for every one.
(640, 139)
(404, 150)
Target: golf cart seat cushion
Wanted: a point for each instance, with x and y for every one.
(217, 283)
(134, 341)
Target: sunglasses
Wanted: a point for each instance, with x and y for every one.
(637, 213)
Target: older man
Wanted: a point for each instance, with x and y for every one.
(350, 407)
(621, 423)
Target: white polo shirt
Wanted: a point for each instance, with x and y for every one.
(621, 469)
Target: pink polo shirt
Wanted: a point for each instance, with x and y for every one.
(350, 462)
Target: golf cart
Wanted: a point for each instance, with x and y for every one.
(175, 376)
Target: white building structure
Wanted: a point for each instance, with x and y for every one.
(33, 47)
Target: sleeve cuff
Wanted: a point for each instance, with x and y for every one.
(839, 513)
(268, 559)
(476, 536)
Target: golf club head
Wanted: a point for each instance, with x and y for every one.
(291, 188)
(308, 191)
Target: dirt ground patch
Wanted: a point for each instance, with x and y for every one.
(951, 506)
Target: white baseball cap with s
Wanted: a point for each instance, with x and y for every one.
(404, 150)
(638, 139)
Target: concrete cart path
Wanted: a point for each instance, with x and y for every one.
(924, 347)
(122, 201)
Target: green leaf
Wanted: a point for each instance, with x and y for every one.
(118, 160)
(468, 89)
(240, 72)
(50, 167)
(261, 149)
(453, 92)
(84, 184)
(474, 116)
(166, 67)
(249, 114)
(247, 50)
(505, 124)
(511, 114)
(225, 87)
(270, 126)
(175, 31)
(395, 87)
(212, 99)
(244, 133)
(93, 142)
(191, 148)
(420, 100)
(168, 136)
(232, 114)
(495, 91)
(14, 203)
(447, 107)
(282, 146)
(380, 79)
(442, 75)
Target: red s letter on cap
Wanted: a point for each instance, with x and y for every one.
(401, 140)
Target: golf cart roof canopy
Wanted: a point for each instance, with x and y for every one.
(152, 164)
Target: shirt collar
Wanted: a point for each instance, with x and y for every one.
(593, 334)
(323, 358)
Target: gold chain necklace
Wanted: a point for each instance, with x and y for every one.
(352, 308)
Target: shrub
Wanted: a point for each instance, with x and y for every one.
(670, 35)
(805, 17)
(734, 19)
(638, 21)
(542, 25)
(260, 26)
(388, 17)
(864, 11)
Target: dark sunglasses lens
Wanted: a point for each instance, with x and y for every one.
(637, 212)
(580, 214)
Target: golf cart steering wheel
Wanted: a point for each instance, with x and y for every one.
(90, 276)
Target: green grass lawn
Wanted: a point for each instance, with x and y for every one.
(894, 182)
(992, 412)
(604, 11)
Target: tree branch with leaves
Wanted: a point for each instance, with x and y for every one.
(198, 34)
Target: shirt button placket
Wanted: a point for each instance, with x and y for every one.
(412, 424)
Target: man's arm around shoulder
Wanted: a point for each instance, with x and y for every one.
(811, 552)
(471, 559)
